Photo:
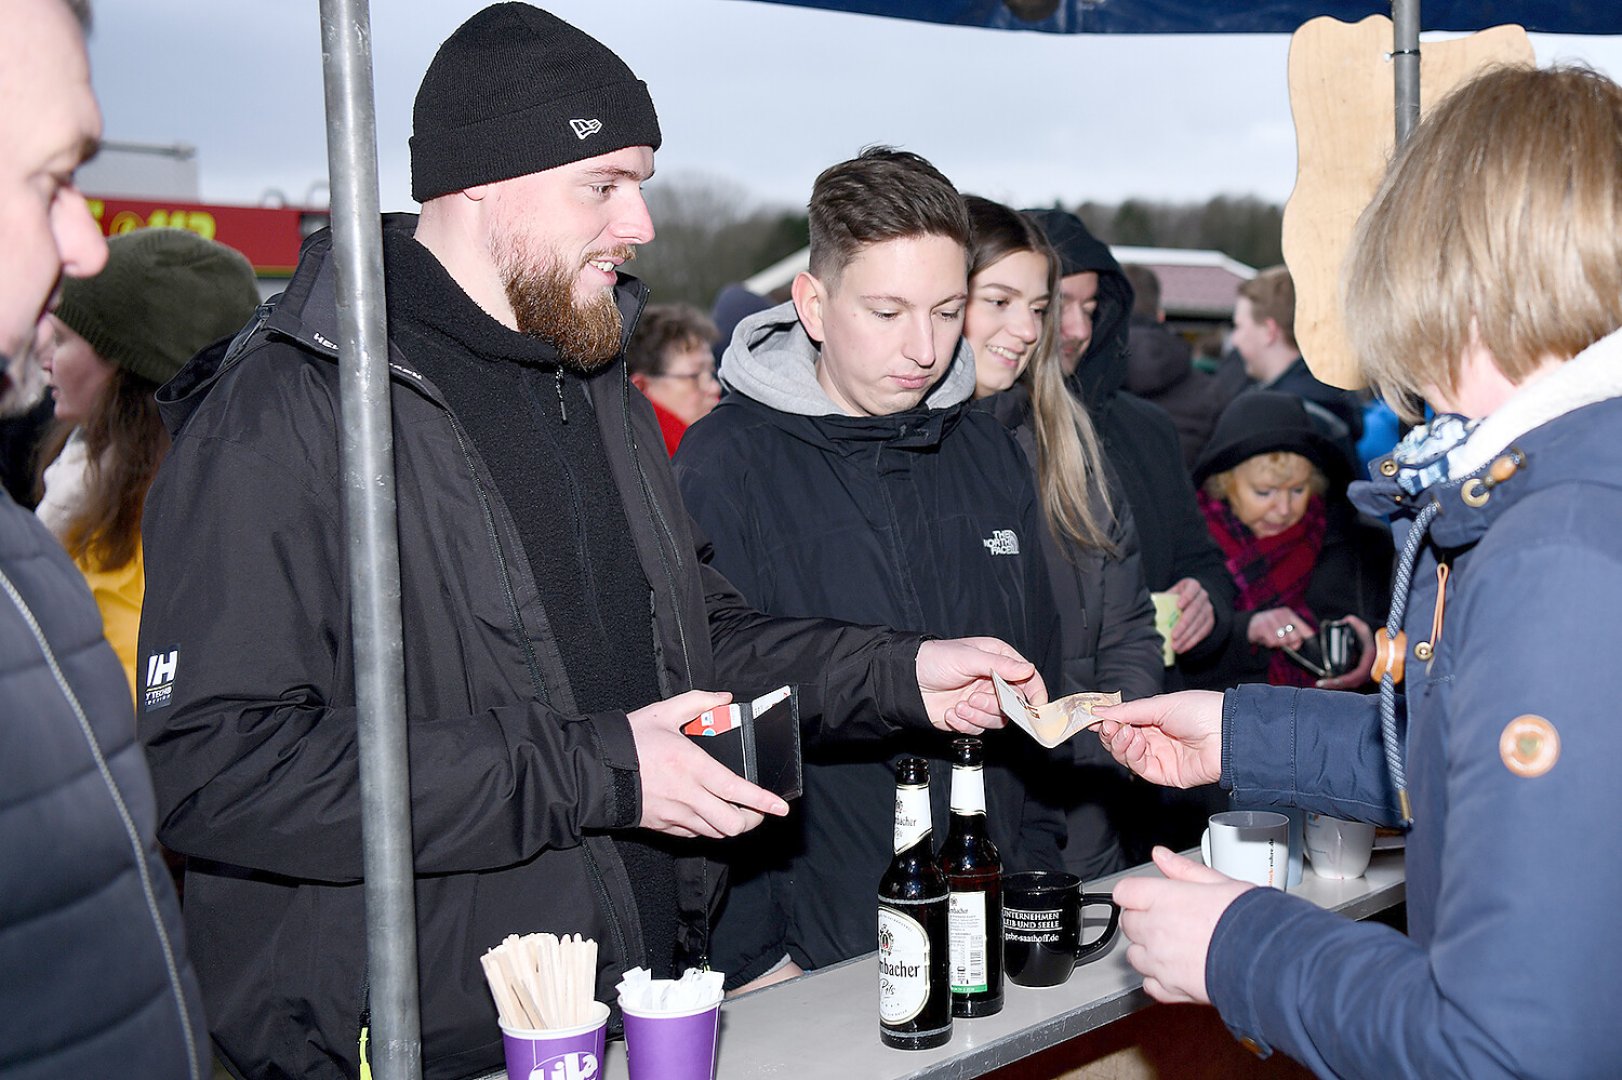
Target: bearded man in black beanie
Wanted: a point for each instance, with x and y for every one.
(560, 620)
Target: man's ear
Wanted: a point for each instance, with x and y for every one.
(1275, 335)
(640, 381)
(810, 296)
(477, 192)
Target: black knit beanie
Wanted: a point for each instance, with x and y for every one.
(516, 90)
(163, 296)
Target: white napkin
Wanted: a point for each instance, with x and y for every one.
(696, 989)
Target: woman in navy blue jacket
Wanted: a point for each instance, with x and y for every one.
(1486, 278)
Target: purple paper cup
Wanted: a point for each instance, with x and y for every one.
(572, 1053)
(671, 1046)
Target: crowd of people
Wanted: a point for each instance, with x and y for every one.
(965, 444)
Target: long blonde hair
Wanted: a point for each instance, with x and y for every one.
(1069, 463)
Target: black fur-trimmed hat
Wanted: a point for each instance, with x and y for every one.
(1264, 421)
(516, 90)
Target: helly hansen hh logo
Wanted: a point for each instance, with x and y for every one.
(160, 678)
(582, 128)
(1002, 542)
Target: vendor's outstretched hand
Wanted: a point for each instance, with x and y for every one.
(1169, 922)
(1173, 739)
(955, 679)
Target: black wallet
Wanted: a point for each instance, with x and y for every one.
(758, 740)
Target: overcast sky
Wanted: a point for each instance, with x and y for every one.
(761, 94)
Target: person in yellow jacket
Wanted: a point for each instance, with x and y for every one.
(111, 342)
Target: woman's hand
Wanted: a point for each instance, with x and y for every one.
(1277, 627)
(1365, 663)
(1170, 922)
(1174, 740)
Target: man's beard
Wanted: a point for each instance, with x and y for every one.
(541, 292)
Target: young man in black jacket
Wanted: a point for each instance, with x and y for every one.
(846, 476)
(93, 971)
(561, 620)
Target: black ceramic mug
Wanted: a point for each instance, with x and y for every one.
(1042, 926)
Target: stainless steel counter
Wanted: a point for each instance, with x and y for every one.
(824, 1026)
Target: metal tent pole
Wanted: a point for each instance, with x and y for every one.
(395, 1049)
(1405, 62)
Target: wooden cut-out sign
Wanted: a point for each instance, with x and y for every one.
(1342, 93)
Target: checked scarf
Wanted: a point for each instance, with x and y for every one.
(1270, 572)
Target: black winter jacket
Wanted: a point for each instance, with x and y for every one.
(924, 519)
(1108, 642)
(1160, 369)
(1108, 639)
(514, 792)
(94, 979)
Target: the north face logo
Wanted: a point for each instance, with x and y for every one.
(582, 128)
(1002, 542)
(160, 678)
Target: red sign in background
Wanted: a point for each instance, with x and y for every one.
(268, 236)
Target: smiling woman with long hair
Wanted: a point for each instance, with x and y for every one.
(1107, 625)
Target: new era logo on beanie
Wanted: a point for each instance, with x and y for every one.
(516, 90)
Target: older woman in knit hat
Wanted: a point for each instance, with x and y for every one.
(113, 339)
(1272, 492)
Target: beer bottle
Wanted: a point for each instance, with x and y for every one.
(973, 872)
(915, 996)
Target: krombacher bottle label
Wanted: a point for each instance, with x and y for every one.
(915, 997)
(973, 872)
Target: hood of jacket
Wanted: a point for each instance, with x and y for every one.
(774, 361)
(306, 313)
(1102, 371)
(1526, 432)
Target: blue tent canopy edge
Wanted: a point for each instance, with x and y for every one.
(1227, 16)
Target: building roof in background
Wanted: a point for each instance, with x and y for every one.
(1193, 284)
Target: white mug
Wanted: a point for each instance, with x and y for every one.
(1338, 849)
(1249, 845)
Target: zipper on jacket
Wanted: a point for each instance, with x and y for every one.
(659, 518)
(607, 903)
(611, 915)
